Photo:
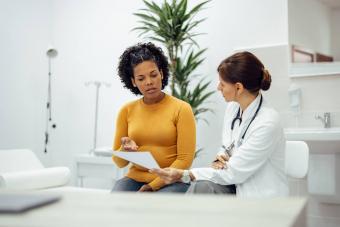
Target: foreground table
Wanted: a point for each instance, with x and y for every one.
(148, 209)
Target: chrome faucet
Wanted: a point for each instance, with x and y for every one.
(326, 119)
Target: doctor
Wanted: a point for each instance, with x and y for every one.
(252, 154)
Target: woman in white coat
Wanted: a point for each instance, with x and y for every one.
(252, 154)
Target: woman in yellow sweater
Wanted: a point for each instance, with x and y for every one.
(157, 122)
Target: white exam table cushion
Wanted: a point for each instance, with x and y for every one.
(35, 179)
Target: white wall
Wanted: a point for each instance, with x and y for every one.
(90, 36)
(314, 25)
(335, 34)
(310, 25)
(24, 36)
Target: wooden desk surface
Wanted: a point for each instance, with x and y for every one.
(147, 209)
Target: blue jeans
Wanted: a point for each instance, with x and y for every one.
(128, 184)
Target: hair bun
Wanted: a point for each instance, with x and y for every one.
(266, 80)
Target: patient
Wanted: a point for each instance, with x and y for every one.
(156, 122)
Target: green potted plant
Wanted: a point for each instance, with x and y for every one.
(173, 26)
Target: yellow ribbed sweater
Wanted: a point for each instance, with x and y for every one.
(166, 129)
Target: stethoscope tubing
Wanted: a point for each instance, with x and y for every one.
(238, 117)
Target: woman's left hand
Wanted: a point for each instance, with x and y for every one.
(145, 188)
(168, 175)
(217, 165)
(220, 162)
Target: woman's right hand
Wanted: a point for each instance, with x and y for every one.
(220, 161)
(128, 144)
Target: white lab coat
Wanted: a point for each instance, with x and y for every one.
(257, 165)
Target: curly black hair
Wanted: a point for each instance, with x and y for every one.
(135, 55)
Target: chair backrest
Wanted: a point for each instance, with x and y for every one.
(13, 160)
(296, 159)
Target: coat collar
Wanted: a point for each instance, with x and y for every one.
(251, 109)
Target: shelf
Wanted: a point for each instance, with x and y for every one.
(314, 69)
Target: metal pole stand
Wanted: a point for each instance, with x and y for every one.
(97, 84)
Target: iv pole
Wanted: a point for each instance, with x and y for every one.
(51, 53)
(97, 84)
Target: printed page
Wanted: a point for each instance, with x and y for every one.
(142, 158)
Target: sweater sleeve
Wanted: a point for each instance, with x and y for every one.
(186, 142)
(121, 131)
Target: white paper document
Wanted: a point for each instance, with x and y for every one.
(142, 158)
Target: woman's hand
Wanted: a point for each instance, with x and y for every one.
(220, 161)
(145, 188)
(128, 144)
(168, 175)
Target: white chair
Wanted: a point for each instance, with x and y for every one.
(20, 169)
(296, 159)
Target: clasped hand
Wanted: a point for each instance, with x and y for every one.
(220, 162)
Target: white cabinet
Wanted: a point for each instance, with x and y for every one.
(324, 177)
(97, 167)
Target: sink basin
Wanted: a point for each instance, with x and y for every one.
(315, 134)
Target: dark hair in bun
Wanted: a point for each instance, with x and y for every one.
(247, 69)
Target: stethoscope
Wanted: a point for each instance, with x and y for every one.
(229, 149)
